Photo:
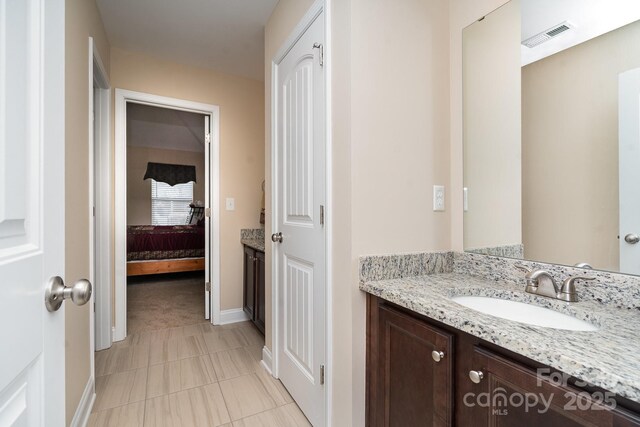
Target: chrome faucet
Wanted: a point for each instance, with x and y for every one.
(541, 282)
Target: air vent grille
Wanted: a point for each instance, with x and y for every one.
(547, 35)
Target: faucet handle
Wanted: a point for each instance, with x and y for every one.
(568, 290)
(584, 265)
(523, 268)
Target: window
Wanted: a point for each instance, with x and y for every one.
(170, 204)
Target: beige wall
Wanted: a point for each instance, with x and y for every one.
(139, 190)
(399, 140)
(492, 155)
(570, 150)
(241, 103)
(82, 21)
(462, 13)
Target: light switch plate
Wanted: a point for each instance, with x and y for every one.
(438, 198)
(230, 204)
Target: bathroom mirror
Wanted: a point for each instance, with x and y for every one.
(548, 176)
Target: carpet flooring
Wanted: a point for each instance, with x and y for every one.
(164, 301)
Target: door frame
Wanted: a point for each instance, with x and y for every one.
(122, 97)
(100, 221)
(317, 8)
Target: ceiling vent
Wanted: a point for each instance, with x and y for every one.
(547, 35)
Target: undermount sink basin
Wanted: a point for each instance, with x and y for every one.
(524, 313)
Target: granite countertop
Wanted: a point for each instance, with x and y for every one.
(257, 244)
(607, 358)
(253, 237)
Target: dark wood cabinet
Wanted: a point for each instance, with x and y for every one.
(253, 286)
(407, 387)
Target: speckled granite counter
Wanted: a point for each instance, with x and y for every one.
(253, 237)
(608, 358)
(257, 244)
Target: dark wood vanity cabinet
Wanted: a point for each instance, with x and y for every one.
(407, 387)
(253, 286)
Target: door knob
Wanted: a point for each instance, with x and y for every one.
(56, 292)
(276, 237)
(632, 238)
(476, 376)
(437, 355)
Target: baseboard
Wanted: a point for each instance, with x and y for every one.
(81, 417)
(233, 315)
(267, 361)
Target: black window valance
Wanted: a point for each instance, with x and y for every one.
(171, 174)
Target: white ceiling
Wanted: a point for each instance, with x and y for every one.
(590, 18)
(155, 127)
(225, 35)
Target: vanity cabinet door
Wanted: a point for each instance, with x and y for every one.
(248, 279)
(260, 291)
(412, 388)
(509, 394)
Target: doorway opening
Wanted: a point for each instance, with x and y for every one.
(166, 260)
(166, 227)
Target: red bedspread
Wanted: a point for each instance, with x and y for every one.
(149, 242)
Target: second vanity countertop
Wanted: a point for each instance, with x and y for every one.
(607, 358)
(257, 244)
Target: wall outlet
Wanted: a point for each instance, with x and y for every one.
(230, 204)
(438, 198)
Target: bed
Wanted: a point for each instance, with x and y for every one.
(157, 249)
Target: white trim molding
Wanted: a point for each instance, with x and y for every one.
(233, 315)
(122, 97)
(83, 411)
(267, 360)
(99, 197)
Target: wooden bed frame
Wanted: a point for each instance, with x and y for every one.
(141, 268)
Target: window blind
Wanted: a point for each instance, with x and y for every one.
(170, 204)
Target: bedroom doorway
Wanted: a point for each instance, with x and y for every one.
(166, 227)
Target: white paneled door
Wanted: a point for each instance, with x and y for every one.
(629, 172)
(299, 251)
(31, 211)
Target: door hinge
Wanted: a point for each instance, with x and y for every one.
(94, 211)
(207, 138)
(207, 212)
(207, 286)
(321, 214)
(321, 374)
(320, 48)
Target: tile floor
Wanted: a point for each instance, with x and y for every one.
(191, 375)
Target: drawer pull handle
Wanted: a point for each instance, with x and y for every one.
(476, 376)
(437, 355)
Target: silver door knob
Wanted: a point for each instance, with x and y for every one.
(437, 355)
(476, 376)
(276, 237)
(632, 238)
(56, 292)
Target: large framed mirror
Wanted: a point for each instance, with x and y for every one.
(552, 133)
